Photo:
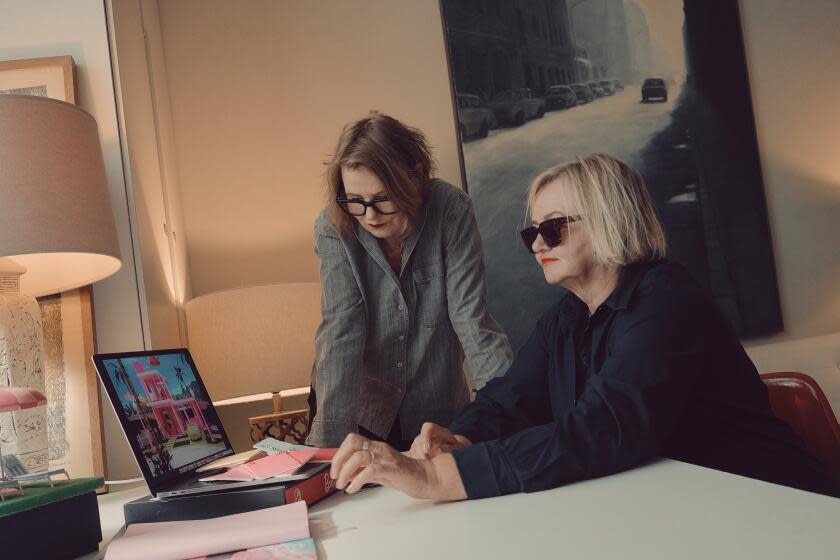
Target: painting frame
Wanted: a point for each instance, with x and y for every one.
(68, 318)
(709, 129)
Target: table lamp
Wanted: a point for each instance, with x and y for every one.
(57, 228)
(258, 343)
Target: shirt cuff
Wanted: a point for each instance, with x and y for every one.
(328, 433)
(485, 471)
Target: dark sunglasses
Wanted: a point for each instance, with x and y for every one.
(551, 231)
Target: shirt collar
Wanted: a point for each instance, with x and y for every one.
(631, 276)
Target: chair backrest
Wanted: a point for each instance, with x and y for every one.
(255, 339)
(798, 400)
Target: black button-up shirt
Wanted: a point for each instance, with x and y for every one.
(656, 371)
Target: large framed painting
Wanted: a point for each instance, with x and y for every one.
(73, 420)
(660, 84)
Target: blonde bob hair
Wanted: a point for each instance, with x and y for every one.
(615, 206)
(397, 154)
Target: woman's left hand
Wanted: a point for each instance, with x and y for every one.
(360, 461)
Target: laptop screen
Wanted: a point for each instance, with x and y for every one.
(165, 411)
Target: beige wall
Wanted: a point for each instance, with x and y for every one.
(793, 51)
(259, 96)
(149, 152)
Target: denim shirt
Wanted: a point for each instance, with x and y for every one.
(667, 377)
(393, 345)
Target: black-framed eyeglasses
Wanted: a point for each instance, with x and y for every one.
(358, 206)
(551, 231)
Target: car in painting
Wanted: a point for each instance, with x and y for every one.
(583, 93)
(607, 86)
(474, 119)
(654, 88)
(618, 85)
(597, 90)
(560, 97)
(513, 107)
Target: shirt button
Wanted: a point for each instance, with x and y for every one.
(402, 337)
(400, 307)
(399, 364)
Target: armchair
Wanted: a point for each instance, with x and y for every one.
(258, 344)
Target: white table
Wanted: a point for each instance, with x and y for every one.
(663, 510)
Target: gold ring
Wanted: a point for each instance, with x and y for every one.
(366, 447)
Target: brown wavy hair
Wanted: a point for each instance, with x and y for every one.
(397, 154)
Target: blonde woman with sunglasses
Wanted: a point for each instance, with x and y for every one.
(632, 363)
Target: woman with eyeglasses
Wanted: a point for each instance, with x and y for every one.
(403, 294)
(633, 362)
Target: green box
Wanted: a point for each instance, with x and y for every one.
(61, 521)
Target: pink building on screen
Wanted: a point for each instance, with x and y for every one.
(173, 416)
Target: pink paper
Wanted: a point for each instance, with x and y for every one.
(177, 540)
(273, 465)
(280, 464)
(325, 453)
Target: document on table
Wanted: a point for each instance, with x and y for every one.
(272, 466)
(176, 540)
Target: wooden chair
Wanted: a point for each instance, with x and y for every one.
(254, 341)
(798, 400)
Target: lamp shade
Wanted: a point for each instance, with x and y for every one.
(20, 398)
(254, 340)
(56, 209)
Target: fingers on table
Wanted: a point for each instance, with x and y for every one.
(367, 475)
(436, 439)
(351, 444)
(351, 468)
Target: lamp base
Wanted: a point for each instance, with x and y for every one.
(23, 432)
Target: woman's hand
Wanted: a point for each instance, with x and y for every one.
(360, 461)
(434, 440)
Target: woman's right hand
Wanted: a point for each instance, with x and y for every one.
(434, 440)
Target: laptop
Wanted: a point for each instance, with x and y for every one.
(171, 425)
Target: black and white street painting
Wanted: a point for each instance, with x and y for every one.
(660, 84)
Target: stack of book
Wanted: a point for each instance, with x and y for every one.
(302, 474)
